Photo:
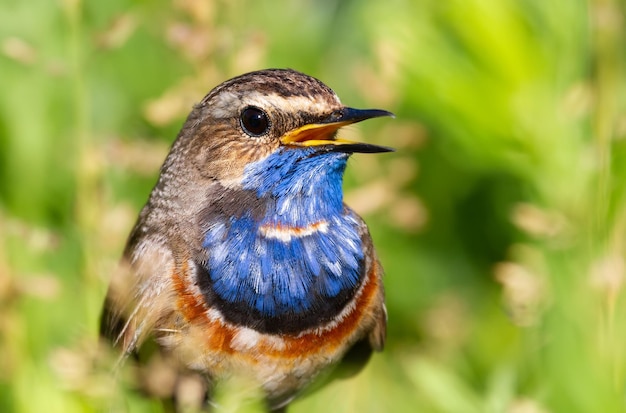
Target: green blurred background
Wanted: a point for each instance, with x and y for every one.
(500, 220)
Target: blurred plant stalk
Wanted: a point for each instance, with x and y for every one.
(609, 228)
(87, 160)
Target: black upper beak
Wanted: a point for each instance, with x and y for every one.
(347, 115)
(322, 133)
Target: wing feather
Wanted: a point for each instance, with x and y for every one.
(139, 295)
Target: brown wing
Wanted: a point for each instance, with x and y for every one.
(139, 295)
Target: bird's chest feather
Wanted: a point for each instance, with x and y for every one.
(293, 258)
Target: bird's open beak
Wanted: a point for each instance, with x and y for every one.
(323, 133)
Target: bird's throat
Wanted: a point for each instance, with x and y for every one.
(292, 261)
(305, 184)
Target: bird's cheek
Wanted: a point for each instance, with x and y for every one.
(212, 165)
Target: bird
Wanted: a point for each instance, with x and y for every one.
(245, 260)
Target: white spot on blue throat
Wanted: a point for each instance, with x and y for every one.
(278, 272)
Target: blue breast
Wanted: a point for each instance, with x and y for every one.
(302, 252)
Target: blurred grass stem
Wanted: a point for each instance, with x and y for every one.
(608, 47)
(85, 161)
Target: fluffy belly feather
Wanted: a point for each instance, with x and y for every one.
(281, 364)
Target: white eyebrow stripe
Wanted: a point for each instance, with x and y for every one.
(227, 104)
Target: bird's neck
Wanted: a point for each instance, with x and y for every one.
(293, 258)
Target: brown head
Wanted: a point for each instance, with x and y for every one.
(248, 117)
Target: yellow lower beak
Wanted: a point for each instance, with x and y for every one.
(323, 133)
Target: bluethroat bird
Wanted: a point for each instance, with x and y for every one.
(245, 259)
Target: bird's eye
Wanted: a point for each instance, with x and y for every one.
(254, 121)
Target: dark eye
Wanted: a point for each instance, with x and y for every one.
(254, 121)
